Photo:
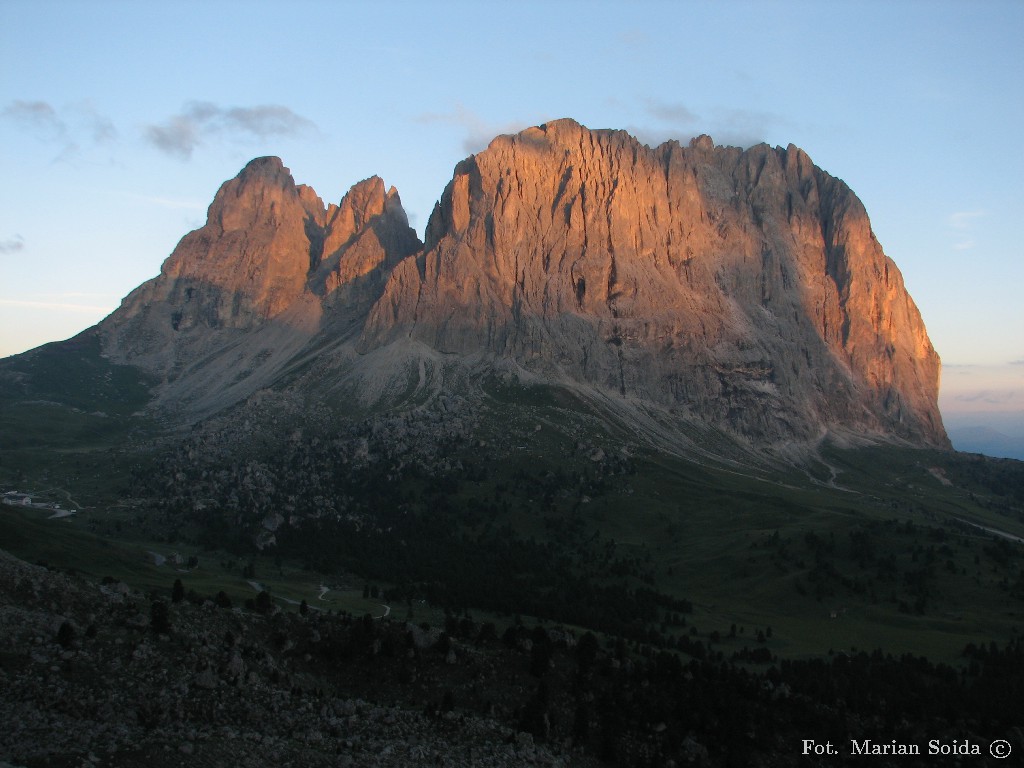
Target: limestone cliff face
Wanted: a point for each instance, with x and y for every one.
(744, 289)
(271, 268)
(362, 240)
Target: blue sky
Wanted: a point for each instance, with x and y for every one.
(119, 120)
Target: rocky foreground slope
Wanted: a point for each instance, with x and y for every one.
(741, 290)
(90, 677)
(102, 675)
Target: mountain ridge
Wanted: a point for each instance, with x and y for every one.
(738, 290)
(629, 248)
(675, 398)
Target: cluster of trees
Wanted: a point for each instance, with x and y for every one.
(478, 531)
(452, 535)
(516, 537)
(998, 483)
(425, 558)
(896, 562)
(634, 704)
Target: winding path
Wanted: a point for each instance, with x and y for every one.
(995, 531)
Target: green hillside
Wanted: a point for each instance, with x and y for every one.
(523, 502)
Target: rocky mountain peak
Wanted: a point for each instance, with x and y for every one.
(364, 237)
(268, 256)
(742, 288)
(703, 142)
(260, 188)
(268, 168)
(363, 202)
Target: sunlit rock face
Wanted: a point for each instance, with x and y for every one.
(741, 288)
(737, 289)
(271, 269)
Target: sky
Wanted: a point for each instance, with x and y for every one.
(119, 120)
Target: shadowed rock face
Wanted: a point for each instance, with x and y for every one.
(744, 288)
(739, 289)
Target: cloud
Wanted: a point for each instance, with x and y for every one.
(100, 128)
(673, 120)
(178, 135)
(1017, 362)
(478, 132)
(69, 127)
(965, 219)
(670, 112)
(12, 244)
(676, 120)
(990, 396)
(742, 127)
(266, 120)
(37, 116)
(199, 121)
(962, 222)
(171, 203)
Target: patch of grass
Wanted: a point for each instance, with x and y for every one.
(870, 535)
(74, 374)
(68, 419)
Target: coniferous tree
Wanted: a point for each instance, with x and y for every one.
(263, 602)
(159, 617)
(66, 634)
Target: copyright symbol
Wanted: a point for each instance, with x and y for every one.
(1000, 748)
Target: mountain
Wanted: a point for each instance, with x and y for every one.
(697, 287)
(989, 441)
(742, 289)
(677, 397)
(242, 296)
